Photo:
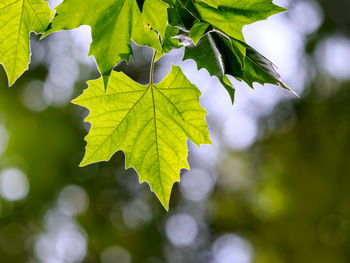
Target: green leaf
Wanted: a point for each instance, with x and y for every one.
(259, 69)
(155, 16)
(17, 19)
(183, 15)
(113, 23)
(150, 123)
(221, 55)
(170, 41)
(219, 43)
(198, 30)
(255, 67)
(231, 15)
(213, 3)
(207, 56)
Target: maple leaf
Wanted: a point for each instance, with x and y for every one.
(113, 24)
(154, 16)
(170, 41)
(18, 18)
(258, 68)
(198, 30)
(182, 14)
(207, 55)
(231, 15)
(215, 28)
(150, 123)
(221, 55)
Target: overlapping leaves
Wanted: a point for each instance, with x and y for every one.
(151, 123)
(159, 24)
(113, 23)
(218, 44)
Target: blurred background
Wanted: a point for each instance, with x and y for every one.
(274, 187)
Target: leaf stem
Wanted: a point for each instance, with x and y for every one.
(152, 67)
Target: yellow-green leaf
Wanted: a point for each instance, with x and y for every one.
(154, 16)
(17, 19)
(231, 15)
(150, 123)
(113, 24)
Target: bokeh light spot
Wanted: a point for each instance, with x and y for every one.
(136, 213)
(197, 184)
(240, 131)
(181, 230)
(307, 16)
(73, 200)
(333, 55)
(32, 96)
(231, 248)
(14, 184)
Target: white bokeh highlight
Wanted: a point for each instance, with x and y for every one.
(14, 184)
(333, 56)
(231, 248)
(32, 96)
(73, 200)
(136, 214)
(197, 184)
(181, 230)
(307, 16)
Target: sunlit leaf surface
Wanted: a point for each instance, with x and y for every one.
(151, 124)
(17, 19)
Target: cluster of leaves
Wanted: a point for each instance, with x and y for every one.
(150, 123)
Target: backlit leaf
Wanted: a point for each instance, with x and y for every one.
(17, 19)
(231, 15)
(113, 24)
(150, 123)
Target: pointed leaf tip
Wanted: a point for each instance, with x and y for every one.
(149, 123)
(15, 30)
